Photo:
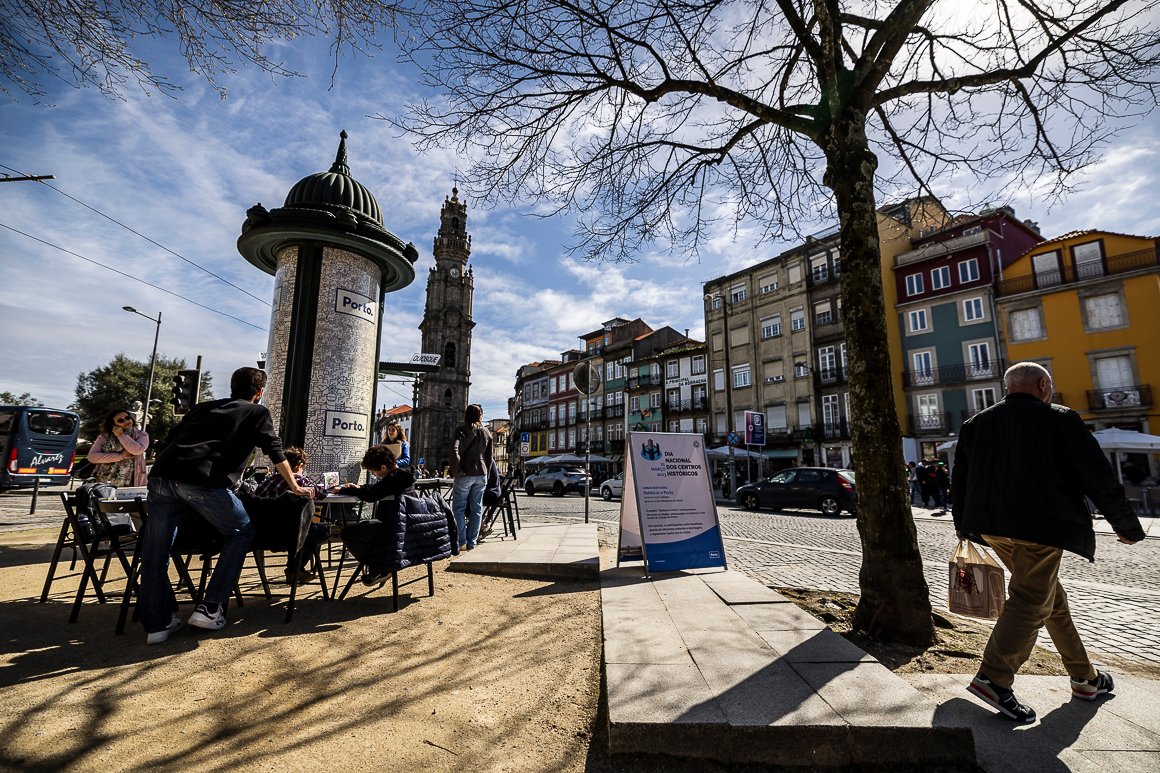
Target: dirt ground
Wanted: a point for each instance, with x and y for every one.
(490, 674)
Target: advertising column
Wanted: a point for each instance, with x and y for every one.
(667, 510)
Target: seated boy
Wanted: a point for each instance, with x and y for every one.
(366, 539)
(274, 486)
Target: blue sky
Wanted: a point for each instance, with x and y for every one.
(183, 171)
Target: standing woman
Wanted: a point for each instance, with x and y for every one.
(470, 462)
(396, 440)
(119, 451)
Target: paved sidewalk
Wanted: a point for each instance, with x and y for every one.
(542, 551)
(1119, 732)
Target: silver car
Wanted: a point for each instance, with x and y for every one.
(613, 487)
(557, 479)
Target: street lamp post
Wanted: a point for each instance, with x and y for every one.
(728, 307)
(152, 362)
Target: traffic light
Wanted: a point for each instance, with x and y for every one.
(186, 388)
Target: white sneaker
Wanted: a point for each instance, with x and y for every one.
(211, 617)
(162, 636)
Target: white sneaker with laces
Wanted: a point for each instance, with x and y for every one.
(211, 617)
(162, 636)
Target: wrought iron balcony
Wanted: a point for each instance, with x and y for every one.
(839, 430)
(1135, 396)
(953, 374)
(1045, 280)
(687, 406)
(834, 375)
(648, 379)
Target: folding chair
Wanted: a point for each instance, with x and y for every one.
(106, 543)
(280, 526)
(506, 506)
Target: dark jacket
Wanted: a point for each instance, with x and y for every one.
(470, 451)
(213, 441)
(1022, 469)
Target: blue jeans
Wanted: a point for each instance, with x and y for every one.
(168, 501)
(467, 495)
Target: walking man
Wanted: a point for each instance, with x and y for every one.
(202, 460)
(1022, 470)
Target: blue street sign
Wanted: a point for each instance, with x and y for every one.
(754, 428)
(525, 437)
(733, 439)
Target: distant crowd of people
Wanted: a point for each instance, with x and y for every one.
(930, 483)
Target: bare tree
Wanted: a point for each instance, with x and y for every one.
(91, 44)
(656, 120)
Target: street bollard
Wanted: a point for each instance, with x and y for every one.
(35, 494)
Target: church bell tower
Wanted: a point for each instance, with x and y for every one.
(441, 396)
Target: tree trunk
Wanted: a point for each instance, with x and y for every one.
(895, 600)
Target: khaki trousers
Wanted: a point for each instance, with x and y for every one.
(1034, 599)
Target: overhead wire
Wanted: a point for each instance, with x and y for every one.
(129, 276)
(155, 243)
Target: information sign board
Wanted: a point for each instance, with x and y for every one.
(754, 428)
(667, 511)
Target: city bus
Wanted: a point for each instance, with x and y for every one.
(36, 444)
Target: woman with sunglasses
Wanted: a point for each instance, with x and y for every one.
(119, 451)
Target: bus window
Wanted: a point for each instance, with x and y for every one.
(46, 423)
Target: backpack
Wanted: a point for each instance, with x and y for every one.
(88, 520)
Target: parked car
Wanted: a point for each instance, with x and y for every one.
(557, 479)
(813, 488)
(613, 487)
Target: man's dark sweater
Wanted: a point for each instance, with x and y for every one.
(213, 441)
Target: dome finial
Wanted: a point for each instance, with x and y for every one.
(340, 166)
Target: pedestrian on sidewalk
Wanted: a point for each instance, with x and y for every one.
(197, 470)
(1022, 470)
(471, 453)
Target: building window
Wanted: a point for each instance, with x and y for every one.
(674, 426)
(797, 319)
(698, 364)
(741, 376)
(737, 293)
(634, 404)
(828, 363)
(928, 415)
(979, 356)
(771, 326)
(818, 269)
(837, 263)
(972, 309)
(718, 380)
(923, 372)
(914, 284)
(940, 278)
(800, 370)
(830, 415)
(1089, 260)
(823, 313)
(654, 400)
(768, 284)
(794, 274)
(1046, 268)
(1103, 311)
(917, 320)
(703, 426)
(982, 398)
(968, 271)
(1114, 372)
(716, 302)
(1026, 325)
(673, 369)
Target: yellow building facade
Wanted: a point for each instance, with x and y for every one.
(1086, 305)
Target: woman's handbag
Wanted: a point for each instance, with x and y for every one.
(977, 583)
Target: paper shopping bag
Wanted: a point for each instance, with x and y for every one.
(977, 583)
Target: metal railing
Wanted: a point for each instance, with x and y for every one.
(953, 374)
(1135, 396)
(1117, 264)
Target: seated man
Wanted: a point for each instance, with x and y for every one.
(274, 486)
(366, 539)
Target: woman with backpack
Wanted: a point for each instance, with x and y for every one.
(119, 451)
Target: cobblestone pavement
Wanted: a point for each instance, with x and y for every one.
(1115, 602)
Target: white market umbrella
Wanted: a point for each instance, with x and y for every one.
(1116, 440)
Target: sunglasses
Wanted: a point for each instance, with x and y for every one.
(124, 419)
